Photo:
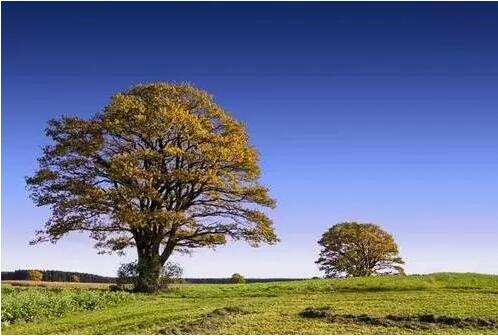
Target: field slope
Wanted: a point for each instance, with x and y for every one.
(444, 303)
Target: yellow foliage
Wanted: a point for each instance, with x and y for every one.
(35, 275)
(162, 164)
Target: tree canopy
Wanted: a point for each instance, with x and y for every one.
(35, 275)
(162, 168)
(356, 249)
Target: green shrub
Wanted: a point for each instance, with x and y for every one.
(35, 275)
(238, 278)
(31, 304)
(6, 289)
(170, 273)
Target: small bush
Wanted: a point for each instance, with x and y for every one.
(116, 288)
(238, 279)
(74, 278)
(170, 273)
(35, 275)
(127, 273)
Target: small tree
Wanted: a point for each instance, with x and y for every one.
(171, 273)
(74, 278)
(356, 249)
(127, 274)
(35, 275)
(238, 278)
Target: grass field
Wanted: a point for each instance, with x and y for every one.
(445, 303)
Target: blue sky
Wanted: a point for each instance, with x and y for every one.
(382, 113)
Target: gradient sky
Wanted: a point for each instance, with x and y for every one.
(384, 113)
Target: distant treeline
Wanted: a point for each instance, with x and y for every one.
(60, 276)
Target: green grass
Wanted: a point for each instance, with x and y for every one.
(275, 308)
(28, 304)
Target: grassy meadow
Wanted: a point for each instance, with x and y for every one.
(443, 303)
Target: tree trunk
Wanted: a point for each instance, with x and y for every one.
(148, 267)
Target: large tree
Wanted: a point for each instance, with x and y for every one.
(162, 168)
(356, 249)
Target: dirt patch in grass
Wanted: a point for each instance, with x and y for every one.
(205, 323)
(416, 322)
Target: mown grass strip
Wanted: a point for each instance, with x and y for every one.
(207, 322)
(413, 322)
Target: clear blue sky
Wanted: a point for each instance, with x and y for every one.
(385, 113)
